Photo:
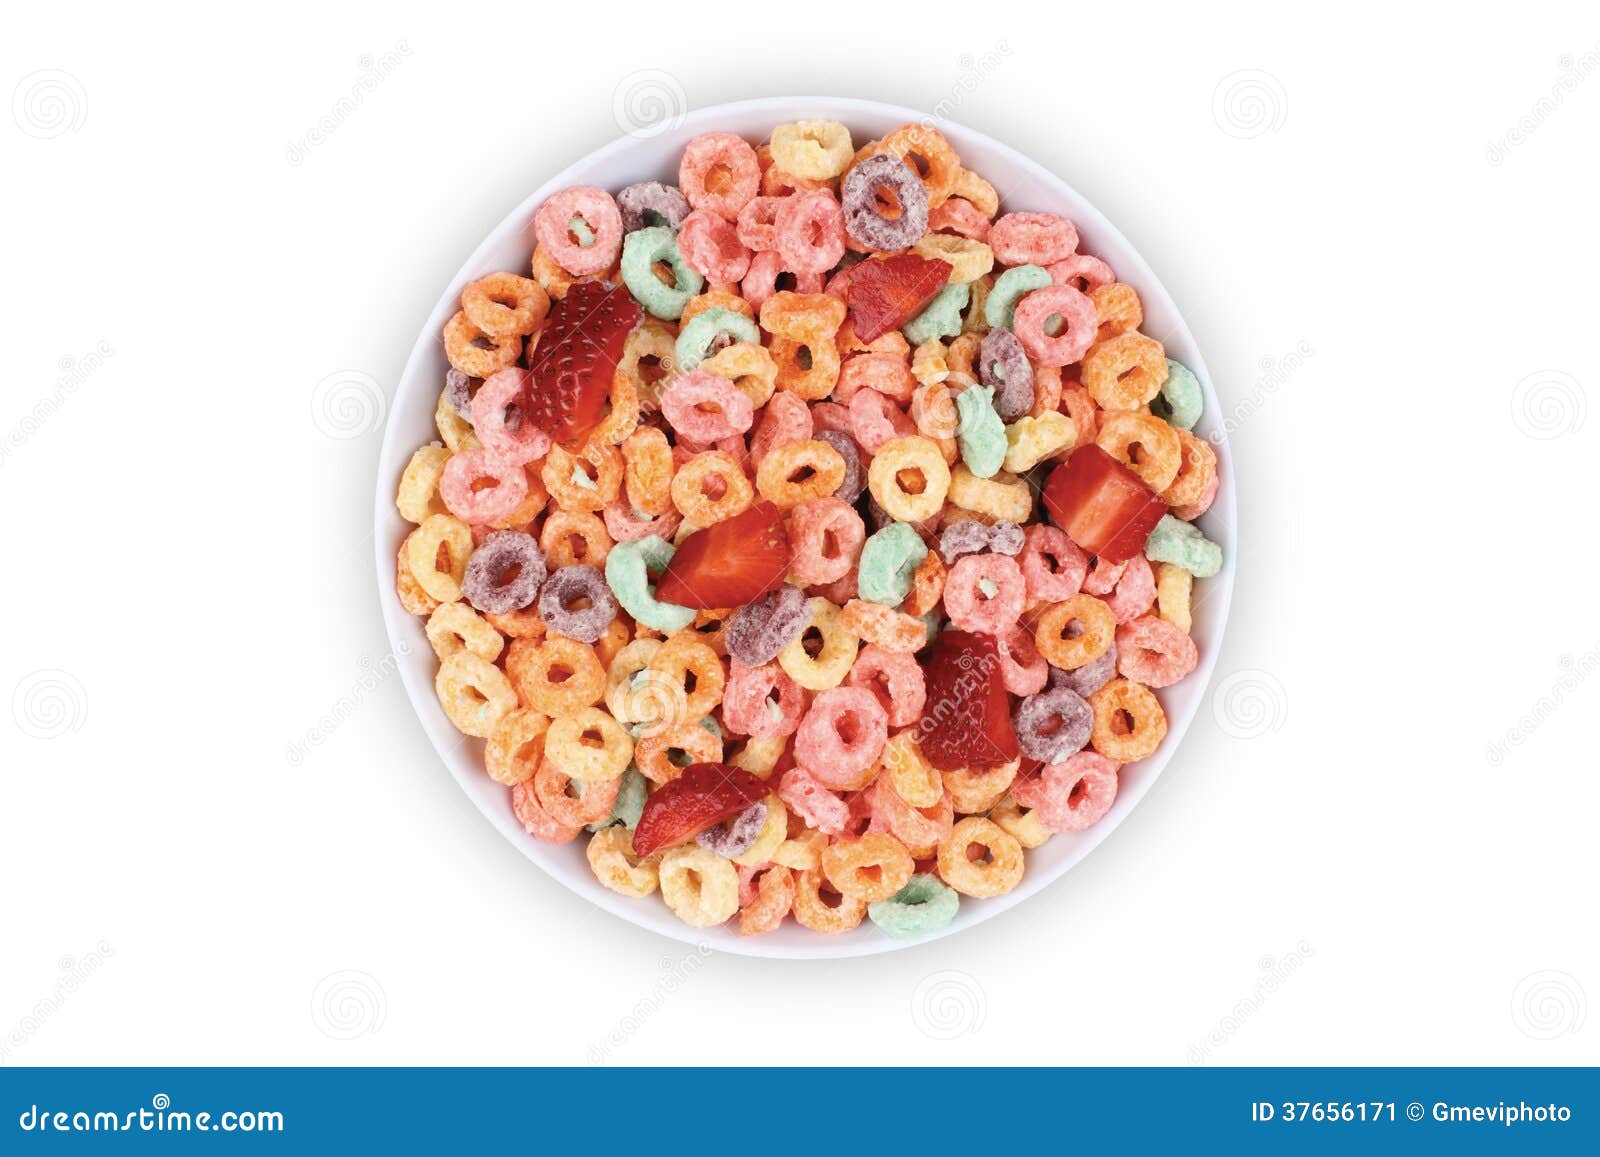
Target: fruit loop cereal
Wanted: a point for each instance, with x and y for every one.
(810, 538)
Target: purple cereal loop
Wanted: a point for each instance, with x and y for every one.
(566, 587)
(651, 203)
(854, 477)
(877, 516)
(1006, 538)
(737, 836)
(1053, 724)
(757, 632)
(504, 573)
(961, 538)
(1003, 364)
(865, 222)
(458, 389)
(1090, 677)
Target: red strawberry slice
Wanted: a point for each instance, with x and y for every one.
(569, 372)
(699, 799)
(966, 718)
(886, 292)
(1102, 505)
(729, 563)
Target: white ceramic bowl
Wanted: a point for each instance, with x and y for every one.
(1025, 185)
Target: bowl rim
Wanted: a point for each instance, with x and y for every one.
(447, 742)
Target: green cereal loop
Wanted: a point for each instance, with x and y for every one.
(1182, 544)
(1008, 290)
(942, 318)
(924, 905)
(640, 251)
(696, 337)
(628, 570)
(887, 560)
(1179, 401)
(980, 431)
(629, 804)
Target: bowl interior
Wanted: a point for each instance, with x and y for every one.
(1023, 185)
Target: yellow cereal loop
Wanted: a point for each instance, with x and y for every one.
(773, 833)
(516, 747)
(455, 627)
(749, 367)
(913, 778)
(1174, 588)
(437, 553)
(1029, 441)
(453, 428)
(759, 756)
(971, 187)
(589, 745)
(998, 868)
(828, 664)
(418, 495)
(474, 693)
(802, 853)
(969, 259)
(412, 597)
(812, 150)
(909, 478)
(1020, 823)
(612, 860)
(1005, 496)
(701, 888)
(928, 363)
(868, 869)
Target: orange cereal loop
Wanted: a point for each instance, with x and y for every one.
(647, 471)
(555, 280)
(1118, 309)
(927, 585)
(709, 629)
(503, 303)
(412, 597)
(809, 370)
(1143, 443)
(515, 747)
(778, 182)
(1125, 372)
(523, 624)
(980, 859)
(1085, 415)
(717, 297)
(437, 553)
(798, 472)
(475, 353)
(925, 149)
(868, 869)
(891, 342)
(474, 693)
(1078, 631)
(884, 627)
(622, 416)
(556, 675)
(1129, 722)
(829, 913)
(971, 187)
(749, 367)
(773, 900)
(611, 641)
(662, 757)
(802, 316)
(588, 745)
(1046, 391)
(712, 487)
(974, 792)
(528, 509)
(694, 667)
(649, 361)
(962, 353)
(571, 802)
(1196, 472)
(570, 537)
(588, 481)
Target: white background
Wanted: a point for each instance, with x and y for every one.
(1378, 842)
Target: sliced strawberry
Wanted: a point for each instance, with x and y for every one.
(569, 373)
(730, 563)
(1102, 505)
(699, 799)
(886, 292)
(966, 718)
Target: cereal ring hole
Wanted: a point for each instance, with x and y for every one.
(911, 480)
(718, 179)
(979, 853)
(886, 200)
(813, 641)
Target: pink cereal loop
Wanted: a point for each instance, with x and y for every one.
(624, 524)
(1154, 652)
(841, 736)
(762, 702)
(1022, 669)
(1081, 272)
(1053, 566)
(886, 373)
(1079, 317)
(812, 802)
(489, 407)
(961, 217)
(537, 822)
(1135, 592)
(712, 248)
(762, 280)
(810, 229)
(472, 504)
(704, 407)
(895, 680)
(785, 419)
(1103, 577)
(1195, 509)
(965, 600)
(831, 416)
(825, 540)
(719, 172)
(758, 230)
(1071, 795)
(875, 419)
(1032, 239)
(552, 227)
